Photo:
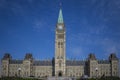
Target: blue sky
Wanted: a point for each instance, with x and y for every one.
(28, 26)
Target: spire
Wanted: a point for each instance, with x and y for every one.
(60, 17)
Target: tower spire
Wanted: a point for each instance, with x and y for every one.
(60, 17)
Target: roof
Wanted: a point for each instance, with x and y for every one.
(16, 61)
(103, 62)
(43, 63)
(60, 17)
(74, 63)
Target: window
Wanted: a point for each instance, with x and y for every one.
(61, 44)
(58, 44)
(60, 36)
(60, 63)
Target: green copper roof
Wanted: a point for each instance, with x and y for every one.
(60, 18)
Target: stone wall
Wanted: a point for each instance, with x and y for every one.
(42, 71)
(75, 71)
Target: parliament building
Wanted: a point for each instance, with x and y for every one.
(59, 65)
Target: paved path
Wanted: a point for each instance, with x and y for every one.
(60, 78)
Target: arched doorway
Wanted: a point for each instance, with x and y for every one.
(60, 74)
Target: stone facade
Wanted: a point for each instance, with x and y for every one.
(60, 66)
(0, 69)
(60, 47)
(119, 67)
(103, 67)
(74, 68)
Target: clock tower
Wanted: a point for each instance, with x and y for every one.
(60, 41)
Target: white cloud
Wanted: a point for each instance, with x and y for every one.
(38, 25)
(76, 51)
(14, 7)
(110, 46)
(106, 44)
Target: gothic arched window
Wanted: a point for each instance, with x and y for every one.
(60, 63)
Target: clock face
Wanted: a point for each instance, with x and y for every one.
(60, 27)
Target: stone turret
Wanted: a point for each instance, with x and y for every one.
(119, 68)
(28, 65)
(7, 56)
(113, 57)
(28, 56)
(5, 64)
(92, 65)
(91, 56)
(114, 63)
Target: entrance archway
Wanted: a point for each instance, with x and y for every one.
(60, 74)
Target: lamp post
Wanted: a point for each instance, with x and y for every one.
(96, 69)
(19, 70)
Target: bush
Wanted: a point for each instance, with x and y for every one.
(17, 78)
(106, 78)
